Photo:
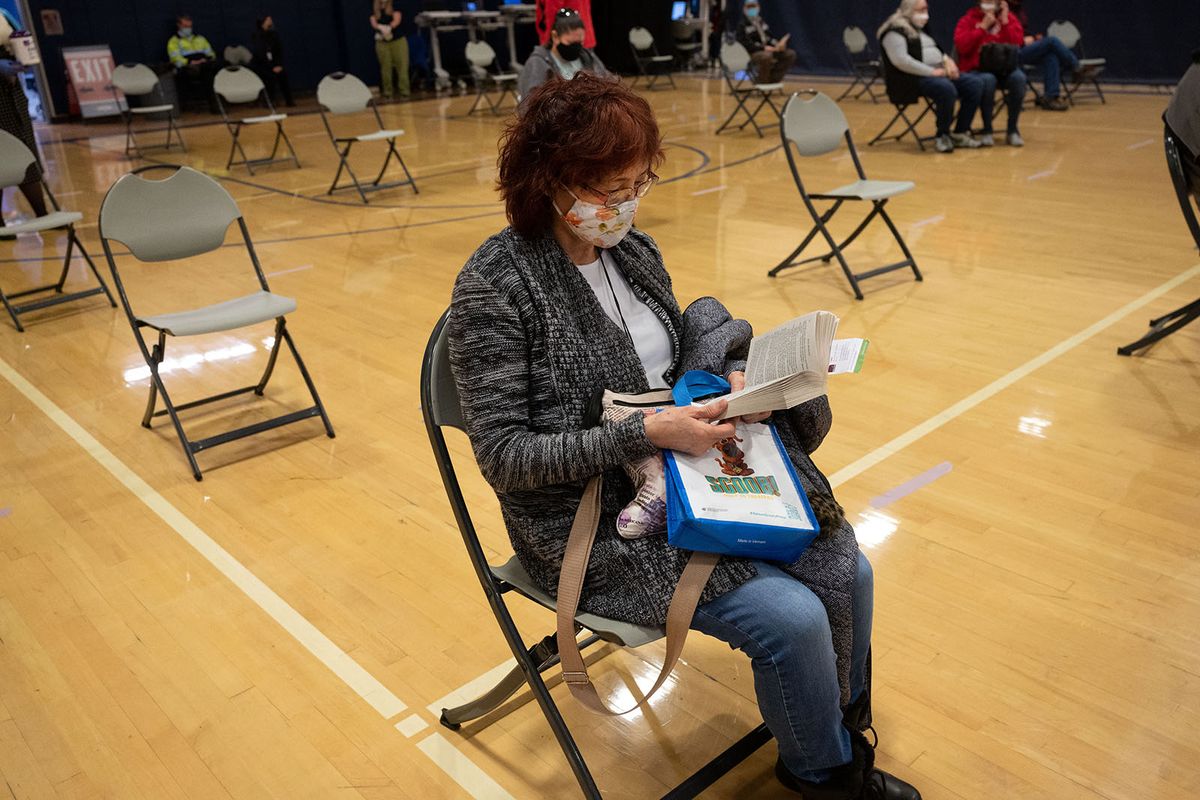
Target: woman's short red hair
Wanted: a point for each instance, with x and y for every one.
(570, 133)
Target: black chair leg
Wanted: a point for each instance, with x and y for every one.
(1163, 327)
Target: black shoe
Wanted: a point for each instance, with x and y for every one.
(883, 786)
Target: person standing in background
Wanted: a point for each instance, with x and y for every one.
(268, 60)
(14, 116)
(391, 47)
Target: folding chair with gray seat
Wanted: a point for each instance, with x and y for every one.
(238, 55)
(15, 160)
(343, 93)
(185, 215)
(235, 85)
(138, 80)
(651, 65)
(815, 126)
(440, 406)
(1089, 68)
(863, 67)
(484, 72)
(908, 125)
(735, 63)
(687, 33)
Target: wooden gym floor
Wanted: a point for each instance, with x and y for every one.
(289, 627)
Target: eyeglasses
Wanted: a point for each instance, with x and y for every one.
(618, 196)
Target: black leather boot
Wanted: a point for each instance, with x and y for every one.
(858, 780)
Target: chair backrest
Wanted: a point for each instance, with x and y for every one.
(641, 39)
(134, 79)
(439, 393)
(734, 57)
(15, 159)
(238, 85)
(855, 40)
(1065, 31)
(814, 124)
(238, 54)
(480, 54)
(684, 30)
(1185, 175)
(343, 93)
(183, 215)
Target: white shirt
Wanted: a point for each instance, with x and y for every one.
(623, 307)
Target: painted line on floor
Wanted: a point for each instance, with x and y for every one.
(911, 485)
(709, 191)
(412, 725)
(921, 223)
(1141, 144)
(1037, 176)
(465, 773)
(300, 268)
(930, 425)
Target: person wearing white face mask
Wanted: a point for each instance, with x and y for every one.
(914, 67)
(771, 57)
(991, 23)
(571, 298)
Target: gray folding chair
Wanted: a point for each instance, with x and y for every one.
(735, 63)
(687, 33)
(906, 125)
(488, 79)
(863, 67)
(342, 93)
(1090, 68)
(652, 65)
(185, 215)
(15, 161)
(814, 126)
(238, 55)
(441, 409)
(235, 85)
(138, 80)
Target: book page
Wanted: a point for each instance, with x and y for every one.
(791, 348)
(846, 355)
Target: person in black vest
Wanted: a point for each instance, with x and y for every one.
(771, 57)
(268, 60)
(915, 67)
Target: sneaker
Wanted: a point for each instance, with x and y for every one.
(943, 144)
(1053, 103)
(1014, 140)
(987, 140)
(965, 140)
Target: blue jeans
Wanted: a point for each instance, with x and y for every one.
(1014, 95)
(967, 88)
(1053, 57)
(783, 627)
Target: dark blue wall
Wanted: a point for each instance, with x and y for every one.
(1150, 40)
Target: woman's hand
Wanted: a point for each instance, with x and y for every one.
(688, 429)
(939, 72)
(951, 69)
(737, 382)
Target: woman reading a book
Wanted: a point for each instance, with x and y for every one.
(571, 298)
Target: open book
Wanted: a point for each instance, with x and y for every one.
(790, 364)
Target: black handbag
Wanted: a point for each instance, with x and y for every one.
(998, 59)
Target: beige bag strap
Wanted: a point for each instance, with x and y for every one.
(570, 587)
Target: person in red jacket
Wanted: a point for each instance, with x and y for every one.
(992, 22)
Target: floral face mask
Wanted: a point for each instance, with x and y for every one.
(602, 226)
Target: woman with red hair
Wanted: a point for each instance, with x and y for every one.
(571, 299)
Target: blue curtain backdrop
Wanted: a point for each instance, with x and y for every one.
(1142, 41)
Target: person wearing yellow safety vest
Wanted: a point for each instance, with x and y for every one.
(194, 61)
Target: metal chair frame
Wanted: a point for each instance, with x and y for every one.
(73, 243)
(646, 58)
(1185, 177)
(485, 79)
(742, 91)
(155, 355)
(821, 220)
(129, 114)
(1069, 34)
(908, 125)
(440, 407)
(343, 144)
(865, 69)
(235, 126)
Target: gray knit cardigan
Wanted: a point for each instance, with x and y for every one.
(529, 347)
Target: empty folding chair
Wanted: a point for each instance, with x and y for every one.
(687, 33)
(343, 93)
(15, 162)
(863, 67)
(235, 85)
(1089, 68)
(650, 63)
(441, 409)
(238, 55)
(907, 125)
(138, 80)
(814, 126)
(488, 79)
(735, 62)
(185, 215)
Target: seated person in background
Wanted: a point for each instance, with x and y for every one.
(565, 57)
(991, 22)
(771, 57)
(1054, 57)
(572, 297)
(915, 67)
(194, 61)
